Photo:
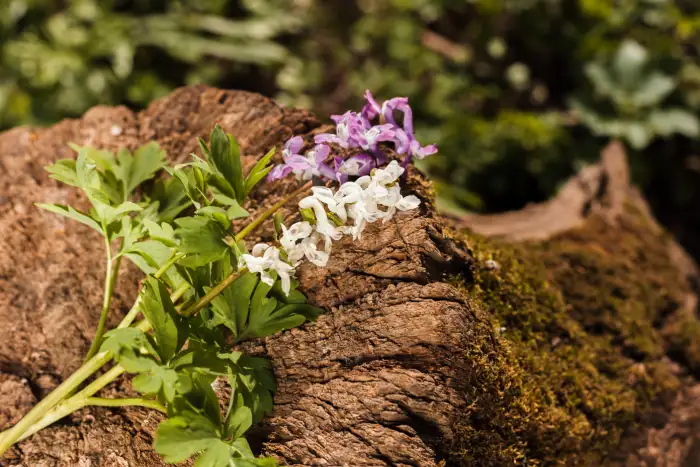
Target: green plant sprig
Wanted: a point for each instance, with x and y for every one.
(184, 343)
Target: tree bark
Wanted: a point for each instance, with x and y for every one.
(566, 333)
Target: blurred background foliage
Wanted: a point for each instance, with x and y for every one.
(518, 94)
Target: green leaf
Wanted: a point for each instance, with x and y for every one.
(204, 147)
(258, 172)
(163, 232)
(158, 379)
(231, 307)
(226, 159)
(253, 385)
(653, 90)
(189, 183)
(215, 213)
(71, 213)
(218, 454)
(636, 134)
(111, 214)
(131, 348)
(119, 339)
(202, 238)
(629, 62)
(268, 317)
(237, 176)
(169, 328)
(238, 422)
(236, 212)
(242, 292)
(63, 171)
(131, 231)
(667, 122)
(171, 197)
(153, 252)
(142, 166)
(185, 435)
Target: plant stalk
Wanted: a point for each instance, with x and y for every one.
(110, 281)
(275, 207)
(74, 403)
(47, 411)
(13, 434)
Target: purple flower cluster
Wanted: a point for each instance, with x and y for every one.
(356, 131)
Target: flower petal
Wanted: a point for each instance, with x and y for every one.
(278, 172)
(293, 145)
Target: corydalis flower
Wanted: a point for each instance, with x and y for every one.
(368, 199)
(354, 205)
(303, 166)
(264, 259)
(301, 241)
(404, 138)
(347, 126)
(290, 155)
(356, 166)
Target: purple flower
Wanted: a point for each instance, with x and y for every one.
(356, 166)
(368, 138)
(387, 111)
(304, 167)
(289, 154)
(404, 139)
(421, 152)
(346, 128)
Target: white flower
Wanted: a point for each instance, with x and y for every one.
(308, 248)
(347, 194)
(366, 197)
(296, 232)
(407, 203)
(323, 224)
(367, 200)
(266, 258)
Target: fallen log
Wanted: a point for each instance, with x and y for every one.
(566, 333)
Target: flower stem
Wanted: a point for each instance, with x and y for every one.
(275, 207)
(47, 411)
(213, 293)
(110, 281)
(75, 403)
(126, 402)
(174, 258)
(11, 436)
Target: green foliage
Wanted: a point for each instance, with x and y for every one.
(185, 347)
(636, 94)
(60, 58)
(109, 183)
(572, 72)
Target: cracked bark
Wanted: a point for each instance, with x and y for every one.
(383, 378)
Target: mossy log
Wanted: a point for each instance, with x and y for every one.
(566, 333)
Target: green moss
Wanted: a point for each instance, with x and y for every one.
(574, 354)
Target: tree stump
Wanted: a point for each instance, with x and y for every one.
(566, 333)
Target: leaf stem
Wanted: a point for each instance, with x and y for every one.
(48, 409)
(110, 281)
(126, 402)
(13, 434)
(213, 293)
(174, 258)
(275, 207)
(69, 406)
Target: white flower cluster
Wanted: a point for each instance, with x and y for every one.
(368, 199)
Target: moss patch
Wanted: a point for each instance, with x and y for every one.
(580, 353)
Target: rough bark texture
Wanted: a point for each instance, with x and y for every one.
(572, 341)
